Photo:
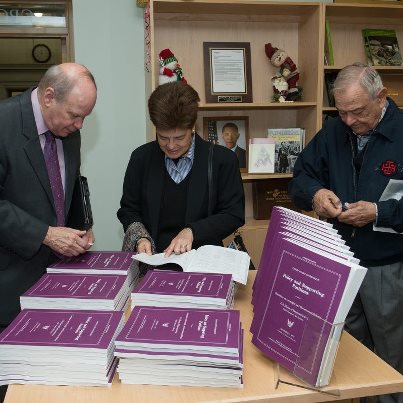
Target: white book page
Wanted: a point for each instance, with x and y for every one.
(216, 259)
(394, 190)
(206, 259)
(183, 260)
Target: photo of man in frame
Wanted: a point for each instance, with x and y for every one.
(230, 133)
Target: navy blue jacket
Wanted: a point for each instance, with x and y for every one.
(327, 162)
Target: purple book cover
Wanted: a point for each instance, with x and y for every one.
(182, 326)
(186, 284)
(296, 319)
(93, 286)
(119, 261)
(62, 328)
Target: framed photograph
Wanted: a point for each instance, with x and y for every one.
(231, 132)
(227, 72)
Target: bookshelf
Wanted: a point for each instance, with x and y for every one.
(347, 22)
(299, 29)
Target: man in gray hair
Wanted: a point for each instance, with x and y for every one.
(341, 175)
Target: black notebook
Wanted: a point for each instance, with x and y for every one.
(80, 215)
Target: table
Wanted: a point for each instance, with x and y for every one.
(357, 372)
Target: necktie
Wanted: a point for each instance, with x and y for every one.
(52, 165)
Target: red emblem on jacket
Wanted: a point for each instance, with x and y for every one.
(388, 167)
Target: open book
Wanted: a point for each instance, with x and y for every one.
(206, 259)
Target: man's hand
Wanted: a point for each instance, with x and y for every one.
(181, 243)
(89, 238)
(326, 204)
(144, 246)
(66, 241)
(358, 214)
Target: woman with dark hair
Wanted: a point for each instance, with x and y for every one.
(168, 203)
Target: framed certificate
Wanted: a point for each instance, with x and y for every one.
(227, 72)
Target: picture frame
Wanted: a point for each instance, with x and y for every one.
(213, 127)
(227, 72)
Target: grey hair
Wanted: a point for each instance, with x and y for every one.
(367, 77)
(62, 81)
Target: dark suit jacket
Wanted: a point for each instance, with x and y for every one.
(241, 154)
(143, 187)
(26, 201)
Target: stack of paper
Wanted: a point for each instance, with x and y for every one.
(184, 290)
(206, 259)
(60, 347)
(181, 346)
(99, 263)
(306, 283)
(78, 291)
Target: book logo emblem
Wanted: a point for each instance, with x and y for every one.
(45, 327)
(290, 323)
(166, 324)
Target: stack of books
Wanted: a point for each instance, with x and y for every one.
(60, 347)
(181, 346)
(305, 286)
(103, 262)
(184, 290)
(78, 291)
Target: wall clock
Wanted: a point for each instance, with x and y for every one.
(41, 53)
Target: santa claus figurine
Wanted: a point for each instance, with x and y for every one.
(170, 69)
(288, 70)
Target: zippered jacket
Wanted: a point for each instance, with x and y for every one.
(327, 162)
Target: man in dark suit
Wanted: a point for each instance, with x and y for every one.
(33, 225)
(168, 202)
(230, 135)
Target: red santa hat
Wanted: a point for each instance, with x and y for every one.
(166, 57)
(272, 52)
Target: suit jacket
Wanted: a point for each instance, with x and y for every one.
(241, 154)
(143, 187)
(26, 201)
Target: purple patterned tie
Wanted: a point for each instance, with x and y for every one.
(52, 164)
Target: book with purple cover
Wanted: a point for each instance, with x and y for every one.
(208, 331)
(77, 291)
(180, 289)
(303, 293)
(178, 368)
(105, 262)
(65, 329)
(60, 347)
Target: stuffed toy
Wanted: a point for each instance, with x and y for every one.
(170, 69)
(288, 71)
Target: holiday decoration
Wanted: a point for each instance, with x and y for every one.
(170, 69)
(285, 81)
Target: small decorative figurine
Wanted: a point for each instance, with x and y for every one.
(285, 82)
(170, 69)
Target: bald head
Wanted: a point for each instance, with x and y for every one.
(67, 94)
(63, 77)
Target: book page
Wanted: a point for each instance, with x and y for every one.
(183, 260)
(393, 190)
(216, 259)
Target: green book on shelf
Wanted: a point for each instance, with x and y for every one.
(329, 58)
(381, 47)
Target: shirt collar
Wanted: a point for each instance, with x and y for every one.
(40, 123)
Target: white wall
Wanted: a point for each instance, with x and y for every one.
(108, 39)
